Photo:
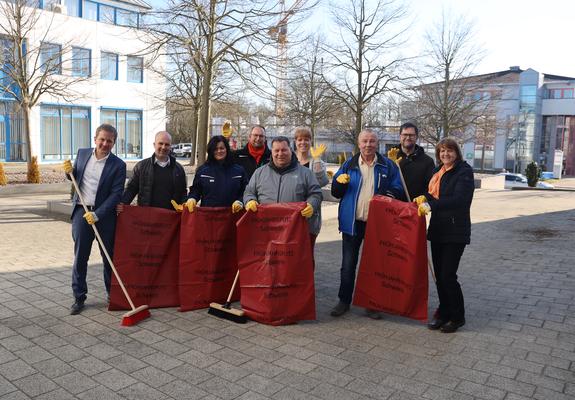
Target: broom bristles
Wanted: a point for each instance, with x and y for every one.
(136, 315)
(231, 314)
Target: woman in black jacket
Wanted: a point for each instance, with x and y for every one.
(219, 182)
(449, 197)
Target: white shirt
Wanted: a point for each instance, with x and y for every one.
(366, 190)
(162, 164)
(91, 178)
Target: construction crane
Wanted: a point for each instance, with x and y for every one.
(279, 34)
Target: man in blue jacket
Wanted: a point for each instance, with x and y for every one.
(100, 176)
(355, 183)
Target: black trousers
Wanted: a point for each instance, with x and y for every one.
(446, 258)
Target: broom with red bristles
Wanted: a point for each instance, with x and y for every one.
(137, 314)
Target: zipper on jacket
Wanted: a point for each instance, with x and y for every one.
(355, 205)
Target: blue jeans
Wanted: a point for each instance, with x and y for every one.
(350, 254)
(83, 236)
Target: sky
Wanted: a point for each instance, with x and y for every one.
(526, 33)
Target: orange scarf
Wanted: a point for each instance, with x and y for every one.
(256, 153)
(435, 182)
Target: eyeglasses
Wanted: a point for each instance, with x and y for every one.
(408, 135)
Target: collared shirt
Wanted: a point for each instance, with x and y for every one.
(162, 164)
(91, 179)
(366, 190)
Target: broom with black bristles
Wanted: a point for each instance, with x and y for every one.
(137, 314)
(225, 310)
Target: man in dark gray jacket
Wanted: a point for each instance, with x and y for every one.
(284, 180)
(157, 180)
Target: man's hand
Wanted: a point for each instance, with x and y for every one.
(191, 204)
(392, 155)
(237, 206)
(252, 206)
(67, 167)
(420, 199)
(178, 207)
(119, 208)
(307, 211)
(316, 152)
(91, 217)
(423, 209)
(343, 179)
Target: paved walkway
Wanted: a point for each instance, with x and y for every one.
(518, 278)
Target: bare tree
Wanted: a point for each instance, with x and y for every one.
(364, 56)
(447, 99)
(32, 69)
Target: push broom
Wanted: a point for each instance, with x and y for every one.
(137, 314)
(409, 199)
(225, 310)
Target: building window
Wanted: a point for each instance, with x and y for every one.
(64, 130)
(12, 138)
(48, 4)
(128, 123)
(90, 10)
(135, 69)
(51, 58)
(106, 14)
(126, 18)
(109, 67)
(72, 7)
(560, 93)
(81, 62)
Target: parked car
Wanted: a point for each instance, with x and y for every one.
(516, 180)
(182, 149)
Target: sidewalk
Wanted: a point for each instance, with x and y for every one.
(519, 343)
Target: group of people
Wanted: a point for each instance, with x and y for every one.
(258, 174)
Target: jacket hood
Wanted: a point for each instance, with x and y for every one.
(292, 165)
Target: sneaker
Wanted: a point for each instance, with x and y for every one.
(340, 309)
(77, 307)
(373, 314)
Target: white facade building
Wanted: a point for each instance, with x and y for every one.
(97, 41)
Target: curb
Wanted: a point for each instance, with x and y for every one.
(42, 188)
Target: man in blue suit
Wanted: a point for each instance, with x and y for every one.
(100, 176)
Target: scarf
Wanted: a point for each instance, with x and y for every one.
(435, 181)
(256, 153)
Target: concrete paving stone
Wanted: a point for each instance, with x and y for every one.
(546, 394)
(552, 360)
(115, 339)
(6, 356)
(298, 381)
(34, 354)
(102, 351)
(324, 348)
(90, 365)
(141, 391)
(541, 381)
(522, 364)
(293, 394)
(237, 331)
(153, 376)
(404, 396)
(423, 362)
(570, 389)
(170, 347)
(260, 384)
(231, 356)
(126, 363)
(262, 353)
(295, 351)
(295, 364)
(233, 342)
(561, 374)
(114, 379)
(178, 335)
(262, 368)
(404, 384)
(227, 371)
(192, 374)
(15, 343)
(31, 331)
(466, 374)
(329, 376)
(16, 369)
(331, 392)
(197, 358)
(391, 367)
(95, 329)
(439, 393)
(359, 358)
(370, 389)
(35, 385)
(204, 345)
(330, 362)
(58, 394)
(162, 361)
(136, 349)
(252, 396)
(99, 393)
(146, 337)
(53, 367)
(83, 340)
(496, 369)
(366, 373)
(222, 388)
(510, 385)
(6, 387)
(75, 382)
(263, 341)
(18, 395)
(437, 379)
(181, 390)
(68, 353)
(558, 344)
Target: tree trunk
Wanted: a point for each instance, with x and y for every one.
(194, 137)
(26, 114)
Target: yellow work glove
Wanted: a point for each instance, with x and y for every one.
(91, 217)
(316, 152)
(343, 179)
(420, 199)
(307, 211)
(191, 204)
(67, 167)
(392, 154)
(423, 209)
(252, 205)
(237, 206)
(178, 207)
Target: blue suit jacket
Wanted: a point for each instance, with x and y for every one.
(110, 187)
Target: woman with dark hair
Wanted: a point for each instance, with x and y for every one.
(218, 182)
(449, 197)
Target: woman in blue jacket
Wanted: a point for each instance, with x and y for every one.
(218, 182)
(449, 197)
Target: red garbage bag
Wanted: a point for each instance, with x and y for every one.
(146, 256)
(276, 268)
(392, 274)
(208, 262)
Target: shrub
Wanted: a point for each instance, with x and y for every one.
(533, 173)
(34, 171)
(3, 179)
